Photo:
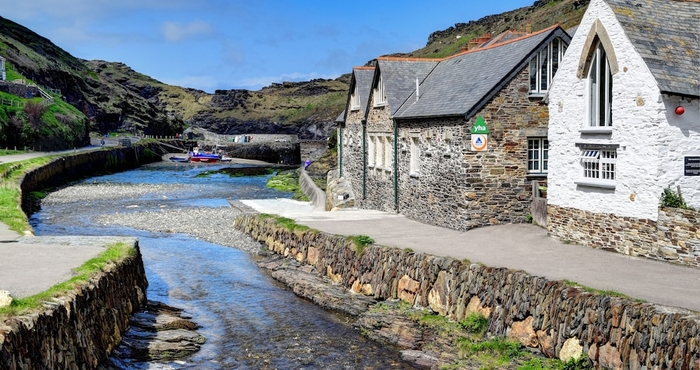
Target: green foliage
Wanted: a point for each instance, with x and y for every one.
(287, 181)
(608, 293)
(360, 242)
(113, 254)
(537, 363)
(669, 198)
(529, 218)
(290, 224)
(502, 350)
(475, 324)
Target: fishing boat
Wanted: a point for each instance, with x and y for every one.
(179, 159)
(195, 156)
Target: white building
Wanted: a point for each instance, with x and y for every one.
(624, 125)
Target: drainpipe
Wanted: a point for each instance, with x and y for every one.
(364, 159)
(340, 151)
(396, 167)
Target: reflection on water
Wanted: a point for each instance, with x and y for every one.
(250, 321)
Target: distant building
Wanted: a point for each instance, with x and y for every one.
(3, 75)
(624, 125)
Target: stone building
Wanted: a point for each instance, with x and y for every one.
(409, 148)
(625, 125)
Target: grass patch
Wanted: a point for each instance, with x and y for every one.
(10, 200)
(113, 254)
(475, 324)
(609, 293)
(290, 224)
(361, 242)
(493, 353)
(287, 181)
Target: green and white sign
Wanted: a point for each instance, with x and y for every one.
(480, 127)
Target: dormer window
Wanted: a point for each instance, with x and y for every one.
(544, 66)
(379, 94)
(355, 99)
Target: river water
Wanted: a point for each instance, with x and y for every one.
(250, 321)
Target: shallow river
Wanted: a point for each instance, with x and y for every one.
(250, 321)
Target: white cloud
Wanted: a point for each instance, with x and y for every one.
(174, 31)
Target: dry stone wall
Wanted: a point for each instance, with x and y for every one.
(674, 237)
(559, 320)
(80, 329)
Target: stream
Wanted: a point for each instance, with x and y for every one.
(250, 320)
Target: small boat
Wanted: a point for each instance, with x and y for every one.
(179, 159)
(197, 156)
(226, 158)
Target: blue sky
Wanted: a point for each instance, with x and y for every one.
(232, 44)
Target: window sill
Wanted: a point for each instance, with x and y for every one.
(354, 109)
(414, 175)
(594, 183)
(596, 130)
(536, 95)
(379, 105)
(537, 175)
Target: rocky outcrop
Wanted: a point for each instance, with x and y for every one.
(544, 315)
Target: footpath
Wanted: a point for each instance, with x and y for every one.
(515, 246)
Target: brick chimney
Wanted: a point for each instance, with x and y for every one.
(478, 41)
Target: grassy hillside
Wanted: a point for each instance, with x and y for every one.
(114, 97)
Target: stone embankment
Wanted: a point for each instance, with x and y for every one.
(79, 329)
(552, 317)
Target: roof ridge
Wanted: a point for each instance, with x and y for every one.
(408, 59)
(517, 39)
(366, 68)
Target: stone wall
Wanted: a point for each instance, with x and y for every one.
(675, 237)
(80, 329)
(615, 333)
(461, 189)
(352, 153)
(21, 90)
(73, 167)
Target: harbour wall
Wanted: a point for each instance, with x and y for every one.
(78, 330)
(552, 317)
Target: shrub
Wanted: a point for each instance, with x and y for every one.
(475, 323)
(669, 198)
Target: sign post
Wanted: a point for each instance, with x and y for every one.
(480, 135)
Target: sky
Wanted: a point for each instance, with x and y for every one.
(233, 44)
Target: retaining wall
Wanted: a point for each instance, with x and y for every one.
(557, 319)
(80, 329)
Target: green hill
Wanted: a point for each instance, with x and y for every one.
(112, 97)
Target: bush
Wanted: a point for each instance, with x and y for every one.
(669, 198)
(475, 323)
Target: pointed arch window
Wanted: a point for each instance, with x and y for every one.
(600, 85)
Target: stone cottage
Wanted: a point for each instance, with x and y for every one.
(625, 125)
(419, 158)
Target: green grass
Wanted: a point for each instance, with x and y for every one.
(608, 293)
(475, 324)
(11, 212)
(289, 224)
(287, 181)
(113, 254)
(361, 242)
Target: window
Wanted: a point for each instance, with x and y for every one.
(387, 153)
(379, 94)
(415, 157)
(544, 66)
(379, 151)
(599, 167)
(537, 155)
(355, 99)
(370, 152)
(599, 89)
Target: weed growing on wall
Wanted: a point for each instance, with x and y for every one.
(670, 198)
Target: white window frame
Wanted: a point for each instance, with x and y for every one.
(388, 155)
(415, 157)
(379, 152)
(355, 99)
(598, 167)
(370, 151)
(379, 94)
(599, 91)
(544, 66)
(537, 157)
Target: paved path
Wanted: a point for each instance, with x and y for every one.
(516, 246)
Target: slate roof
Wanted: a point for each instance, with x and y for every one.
(666, 33)
(363, 79)
(399, 76)
(464, 83)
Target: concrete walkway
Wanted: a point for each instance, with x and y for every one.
(516, 246)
